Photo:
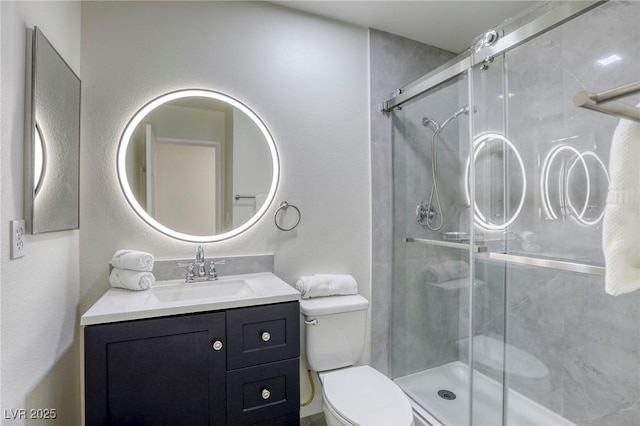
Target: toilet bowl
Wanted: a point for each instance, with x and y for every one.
(334, 340)
(364, 396)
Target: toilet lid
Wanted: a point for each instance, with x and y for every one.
(364, 396)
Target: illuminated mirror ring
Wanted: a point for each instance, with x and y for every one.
(545, 179)
(479, 143)
(580, 216)
(206, 94)
(39, 160)
(546, 171)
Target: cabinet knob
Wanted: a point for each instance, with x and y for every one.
(266, 394)
(266, 336)
(217, 345)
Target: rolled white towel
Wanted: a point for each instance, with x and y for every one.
(326, 285)
(446, 271)
(131, 280)
(133, 260)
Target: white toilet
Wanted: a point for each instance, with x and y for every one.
(361, 396)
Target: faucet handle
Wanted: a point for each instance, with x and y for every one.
(213, 273)
(190, 270)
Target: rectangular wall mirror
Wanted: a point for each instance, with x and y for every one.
(52, 139)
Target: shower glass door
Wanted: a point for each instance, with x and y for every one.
(431, 271)
(549, 345)
(496, 188)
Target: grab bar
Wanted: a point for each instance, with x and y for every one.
(448, 244)
(552, 264)
(605, 101)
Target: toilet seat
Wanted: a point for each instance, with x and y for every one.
(364, 396)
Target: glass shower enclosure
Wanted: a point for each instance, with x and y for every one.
(501, 167)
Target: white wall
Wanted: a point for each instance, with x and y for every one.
(307, 78)
(252, 168)
(39, 292)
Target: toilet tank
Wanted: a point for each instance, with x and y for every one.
(335, 329)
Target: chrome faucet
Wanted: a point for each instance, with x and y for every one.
(199, 264)
(197, 271)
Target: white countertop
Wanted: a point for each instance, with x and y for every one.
(124, 305)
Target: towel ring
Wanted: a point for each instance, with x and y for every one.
(283, 207)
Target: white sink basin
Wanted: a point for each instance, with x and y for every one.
(203, 290)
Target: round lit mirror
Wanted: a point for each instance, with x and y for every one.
(500, 182)
(198, 165)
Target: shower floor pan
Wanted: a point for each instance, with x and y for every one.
(453, 378)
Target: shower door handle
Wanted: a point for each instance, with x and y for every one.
(448, 244)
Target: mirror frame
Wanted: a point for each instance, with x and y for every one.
(37, 217)
(133, 202)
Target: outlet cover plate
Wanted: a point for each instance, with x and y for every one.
(17, 239)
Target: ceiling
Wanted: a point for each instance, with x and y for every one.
(449, 25)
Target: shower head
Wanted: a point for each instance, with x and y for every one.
(463, 110)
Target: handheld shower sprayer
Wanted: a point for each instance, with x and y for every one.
(428, 211)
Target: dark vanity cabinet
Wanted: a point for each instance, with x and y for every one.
(233, 367)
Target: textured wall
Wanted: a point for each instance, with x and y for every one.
(40, 366)
(305, 77)
(394, 62)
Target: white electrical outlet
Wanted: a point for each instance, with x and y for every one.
(17, 239)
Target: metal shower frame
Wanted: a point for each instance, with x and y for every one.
(490, 46)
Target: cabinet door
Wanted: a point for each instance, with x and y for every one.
(161, 371)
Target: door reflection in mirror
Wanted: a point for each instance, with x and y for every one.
(185, 155)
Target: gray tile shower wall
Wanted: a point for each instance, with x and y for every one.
(394, 61)
(589, 341)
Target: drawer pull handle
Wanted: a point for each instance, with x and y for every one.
(266, 394)
(266, 336)
(217, 345)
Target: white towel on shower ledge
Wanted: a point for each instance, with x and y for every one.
(621, 225)
(320, 285)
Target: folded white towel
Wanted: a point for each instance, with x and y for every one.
(133, 260)
(326, 285)
(446, 271)
(131, 280)
(621, 224)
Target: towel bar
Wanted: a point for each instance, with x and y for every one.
(606, 101)
(548, 263)
(237, 196)
(448, 244)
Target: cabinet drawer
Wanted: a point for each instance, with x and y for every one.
(262, 334)
(264, 392)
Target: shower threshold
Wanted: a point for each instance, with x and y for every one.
(424, 387)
